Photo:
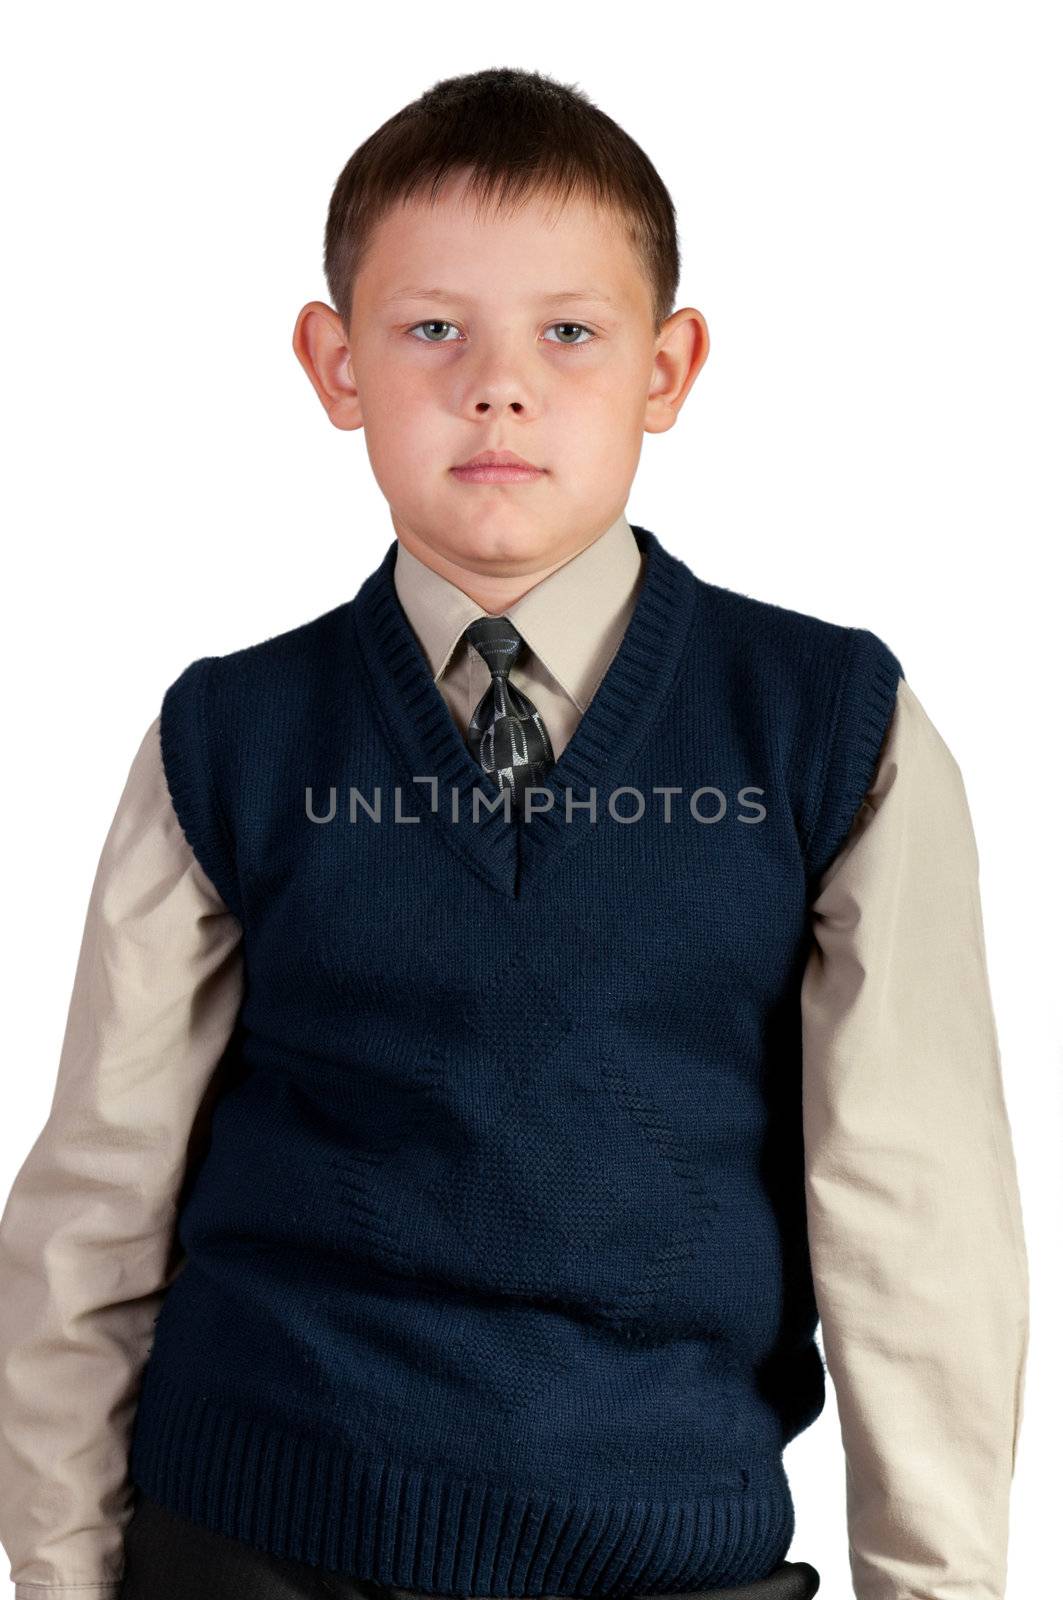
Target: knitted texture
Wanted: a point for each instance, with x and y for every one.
(497, 1277)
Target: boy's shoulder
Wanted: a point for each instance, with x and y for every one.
(773, 638)
(826, 690)
(303, 641)
(300, 653)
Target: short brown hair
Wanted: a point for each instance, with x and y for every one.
(519, 132)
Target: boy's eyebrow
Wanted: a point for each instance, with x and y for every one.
(553, 298)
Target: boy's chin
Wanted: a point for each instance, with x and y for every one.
(503, 535)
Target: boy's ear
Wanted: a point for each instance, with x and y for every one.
(320, 342)
(681, 352)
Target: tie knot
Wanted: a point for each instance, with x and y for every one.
(497, 641)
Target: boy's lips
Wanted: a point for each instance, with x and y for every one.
(496, 466)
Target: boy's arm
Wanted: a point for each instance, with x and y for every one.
(87, 1238)
(914, 1219)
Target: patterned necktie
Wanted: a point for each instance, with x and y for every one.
(507, 735)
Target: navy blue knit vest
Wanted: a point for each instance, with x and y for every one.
(495, 1275)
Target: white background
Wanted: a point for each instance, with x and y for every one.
(869, 213)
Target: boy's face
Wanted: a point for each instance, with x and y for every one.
(529, 332)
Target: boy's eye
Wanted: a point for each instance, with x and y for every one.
(578, 328)
(432, 339)
(437, 333)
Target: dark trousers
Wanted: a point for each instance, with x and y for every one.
(167, 1558)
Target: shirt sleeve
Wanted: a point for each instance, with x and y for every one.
(914, 1217)
(87, 1238)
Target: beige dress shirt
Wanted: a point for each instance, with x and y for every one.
(914, 1218)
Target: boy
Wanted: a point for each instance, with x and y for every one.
(531, 995)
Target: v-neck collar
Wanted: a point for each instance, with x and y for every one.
(512, 857)
(571, 621)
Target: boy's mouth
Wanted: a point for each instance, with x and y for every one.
(496, 466)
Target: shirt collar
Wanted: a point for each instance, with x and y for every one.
(573, 619)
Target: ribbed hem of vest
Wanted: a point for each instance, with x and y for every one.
(311, 1499)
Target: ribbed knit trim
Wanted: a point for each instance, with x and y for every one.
(863, 709)
(426, 740)
(311, 1499)
(184, 739)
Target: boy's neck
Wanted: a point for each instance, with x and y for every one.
(494, 591)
